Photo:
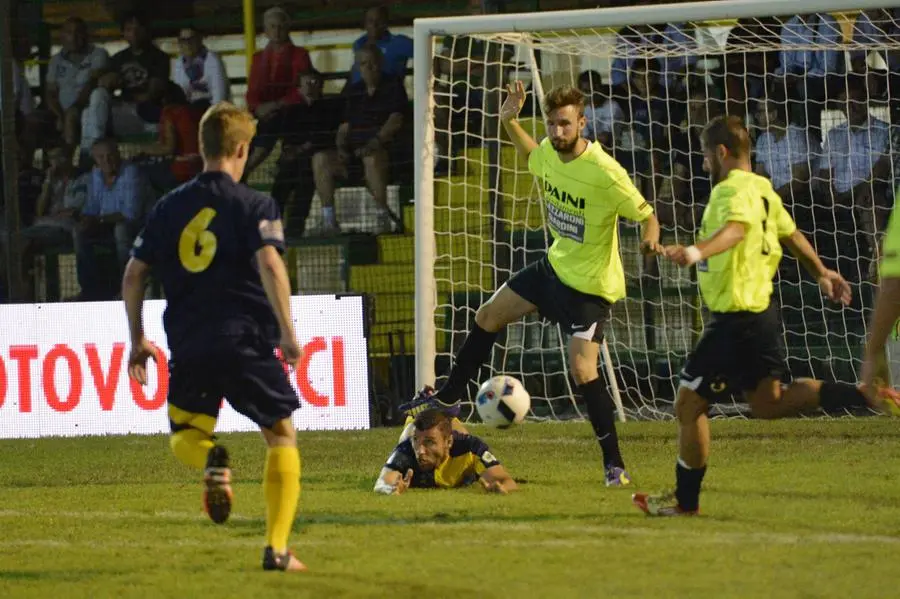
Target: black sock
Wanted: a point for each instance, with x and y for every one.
(473, 353)
(836, 398)
(687, 486)
(602, 412)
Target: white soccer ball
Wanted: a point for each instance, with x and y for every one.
(502, 402)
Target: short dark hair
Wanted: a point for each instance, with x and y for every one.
(108, 141)
(381, 9)
(728, 131)
(77, 21)
(133, 15)
(565, 95)
(431, 418)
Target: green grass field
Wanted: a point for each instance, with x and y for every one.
(791, 509)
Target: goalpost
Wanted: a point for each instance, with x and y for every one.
(479, 216)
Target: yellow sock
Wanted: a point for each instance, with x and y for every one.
(191, 446)
(281, 486)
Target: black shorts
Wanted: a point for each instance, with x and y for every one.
(736, 351)
(579, 314)
(252, 379)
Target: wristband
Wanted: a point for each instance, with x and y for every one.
(693, 254)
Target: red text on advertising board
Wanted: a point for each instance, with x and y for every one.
(104, 383)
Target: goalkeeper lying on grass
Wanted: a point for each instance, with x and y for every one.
(437, 456)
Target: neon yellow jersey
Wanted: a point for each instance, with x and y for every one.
(890, 252)
(585, 198)
(740, 279)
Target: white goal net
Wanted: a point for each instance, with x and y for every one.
(817, 91)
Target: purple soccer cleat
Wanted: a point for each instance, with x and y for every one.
(425, 400)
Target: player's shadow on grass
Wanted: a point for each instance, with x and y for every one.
(379, 519)
(78, 575)
(818, 495)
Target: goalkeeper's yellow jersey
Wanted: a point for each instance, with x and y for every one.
(740, 279)
(585, 198)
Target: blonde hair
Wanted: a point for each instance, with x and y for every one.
(223, 127)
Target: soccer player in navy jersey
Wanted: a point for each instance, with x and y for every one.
(438, 456)
(215, 246)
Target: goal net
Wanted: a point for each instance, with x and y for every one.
(817, 93)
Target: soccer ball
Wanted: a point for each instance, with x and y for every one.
(502, 402)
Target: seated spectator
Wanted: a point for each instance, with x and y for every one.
(744, 66)
(141, 72)
(62, 195)
(648, 114)
(178, 145)
(807, 74)
(397, 49)
(855, 171)
(604, 118)
(272, 84)
(878, 31)
(784, 153)
(309, 127)
(674, 41)
(465, 69)
(373, 117)
(690, 183)
(117, 198)
(71, 78)
(200, 72)
(26, 128)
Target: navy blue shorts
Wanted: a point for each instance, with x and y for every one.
(579, 314)
(251, 379)
(736, 351)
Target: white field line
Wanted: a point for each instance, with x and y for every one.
(584, 534)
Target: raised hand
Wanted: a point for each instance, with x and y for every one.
(515, 99)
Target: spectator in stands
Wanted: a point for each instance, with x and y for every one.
(855, 170)
(783, 153)
(397, 49)
(117, 199)
(806, 73)
(141, 72)
(649, 113)
(690, 184)
(745, 67)
(373, 118)
(272, 85)
(62, 195)
(27, 128)
(604, 117)
(878, 31)
(178, 144)
(71, 78)
(200, 72)
(466, 68)
(309, 127)
(674, 40)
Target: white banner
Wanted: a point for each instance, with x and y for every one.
(64, 370)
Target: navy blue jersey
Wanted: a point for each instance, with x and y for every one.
(201, 242)
(469, 457)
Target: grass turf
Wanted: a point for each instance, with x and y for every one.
(790, 509)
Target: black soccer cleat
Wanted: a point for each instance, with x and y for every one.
(217, 480)
(285, 562)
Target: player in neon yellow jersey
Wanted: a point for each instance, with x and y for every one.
(580, 277)
(737, 256)
(875, 371)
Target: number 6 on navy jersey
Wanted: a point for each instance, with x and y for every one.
(197, 244)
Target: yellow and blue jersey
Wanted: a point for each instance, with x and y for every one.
(469, 457)
(201, 241)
